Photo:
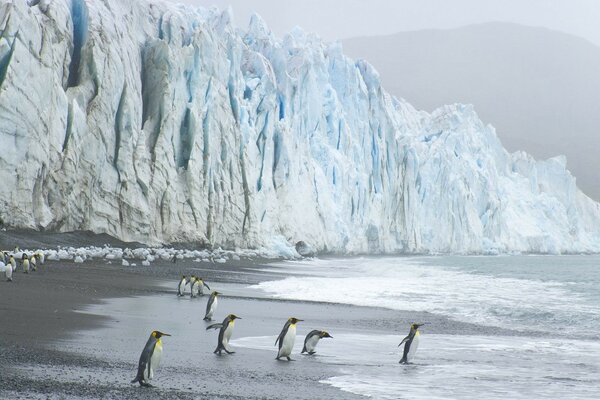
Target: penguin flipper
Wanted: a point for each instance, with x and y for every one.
(208, 287)
(215, 326)
(404, 340)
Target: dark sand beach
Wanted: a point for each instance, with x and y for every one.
(76, 330)
(41, 321)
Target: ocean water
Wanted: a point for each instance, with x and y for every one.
(548, 309)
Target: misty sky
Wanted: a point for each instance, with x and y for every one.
(340, 19)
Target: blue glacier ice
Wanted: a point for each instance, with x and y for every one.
(158, 123)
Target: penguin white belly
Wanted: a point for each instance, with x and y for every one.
(288, 342)
(7, 271)
(413, 346)
(201, 288)
(182, 286)
(213, 307)
(227, 335)
(25, 265)
(194, 289)
(311, 343)
(13, 263)
(155, 359)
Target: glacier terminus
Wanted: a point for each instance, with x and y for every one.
(161, 123)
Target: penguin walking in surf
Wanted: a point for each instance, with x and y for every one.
(211, 306)
(150, 359)
(411, 343)
(312, 339)
(225, 331)
(201, 286)
(286, 339)
(181, 287)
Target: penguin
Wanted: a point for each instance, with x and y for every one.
(25, 263)
(225, 330)
(193, 286)
(286, 338)
(201, 285)
(12, 262)
(7, 271)
(33, 263)
(41, 258)
(411, 343)
(181, 287)
(312, 339)
(150, 359)
(211, 306)
(4, 257)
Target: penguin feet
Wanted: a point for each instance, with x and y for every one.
(229, 352)
(311, 353)
(289, 359)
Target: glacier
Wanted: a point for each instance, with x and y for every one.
(164, 123)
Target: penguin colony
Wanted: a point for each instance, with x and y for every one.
(28, 262)
(151, 354)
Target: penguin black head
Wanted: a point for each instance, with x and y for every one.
(216, 293)
(294, 320)
(159, 334)
(25, 256)
(233, 317)
(325, 334)
(416, 326)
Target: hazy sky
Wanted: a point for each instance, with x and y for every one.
(339, 19)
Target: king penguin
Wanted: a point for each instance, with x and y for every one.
(7, 271)
(12, 262)
(411, 343)
(33, 263)
(201, 285)
(40, 257)
(286, 338)
(150, 358)
(225, 331)
(211, 306)
(193, 286)
(312, 339)
(181, 286)
(25, 263)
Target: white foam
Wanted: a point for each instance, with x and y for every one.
(405, 284)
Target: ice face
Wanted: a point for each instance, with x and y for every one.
(158, 122)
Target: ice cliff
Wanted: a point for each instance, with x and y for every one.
(160, 123)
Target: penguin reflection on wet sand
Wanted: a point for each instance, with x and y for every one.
(286, 339)
(225, 331)
(150, 359)
(411, 343)
(312, 339)
(211, 306)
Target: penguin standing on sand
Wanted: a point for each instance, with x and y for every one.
(25, 263)
(411, 343)
(193, 286)
(201, 285)
(225, 330)
(40, 257)
(33, 263)
(211, 306)
(150, 358)
(312, 339)
(181, 287)
(7, 271)
(286, 338)
(12, 262)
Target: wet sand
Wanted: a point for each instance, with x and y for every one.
(76, 331)
(53, 346)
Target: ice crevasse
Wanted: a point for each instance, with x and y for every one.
(161, 123)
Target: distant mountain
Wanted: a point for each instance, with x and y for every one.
(539, 88)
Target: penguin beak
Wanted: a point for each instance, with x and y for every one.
(166, 334)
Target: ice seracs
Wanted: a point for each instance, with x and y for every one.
(168, 123)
